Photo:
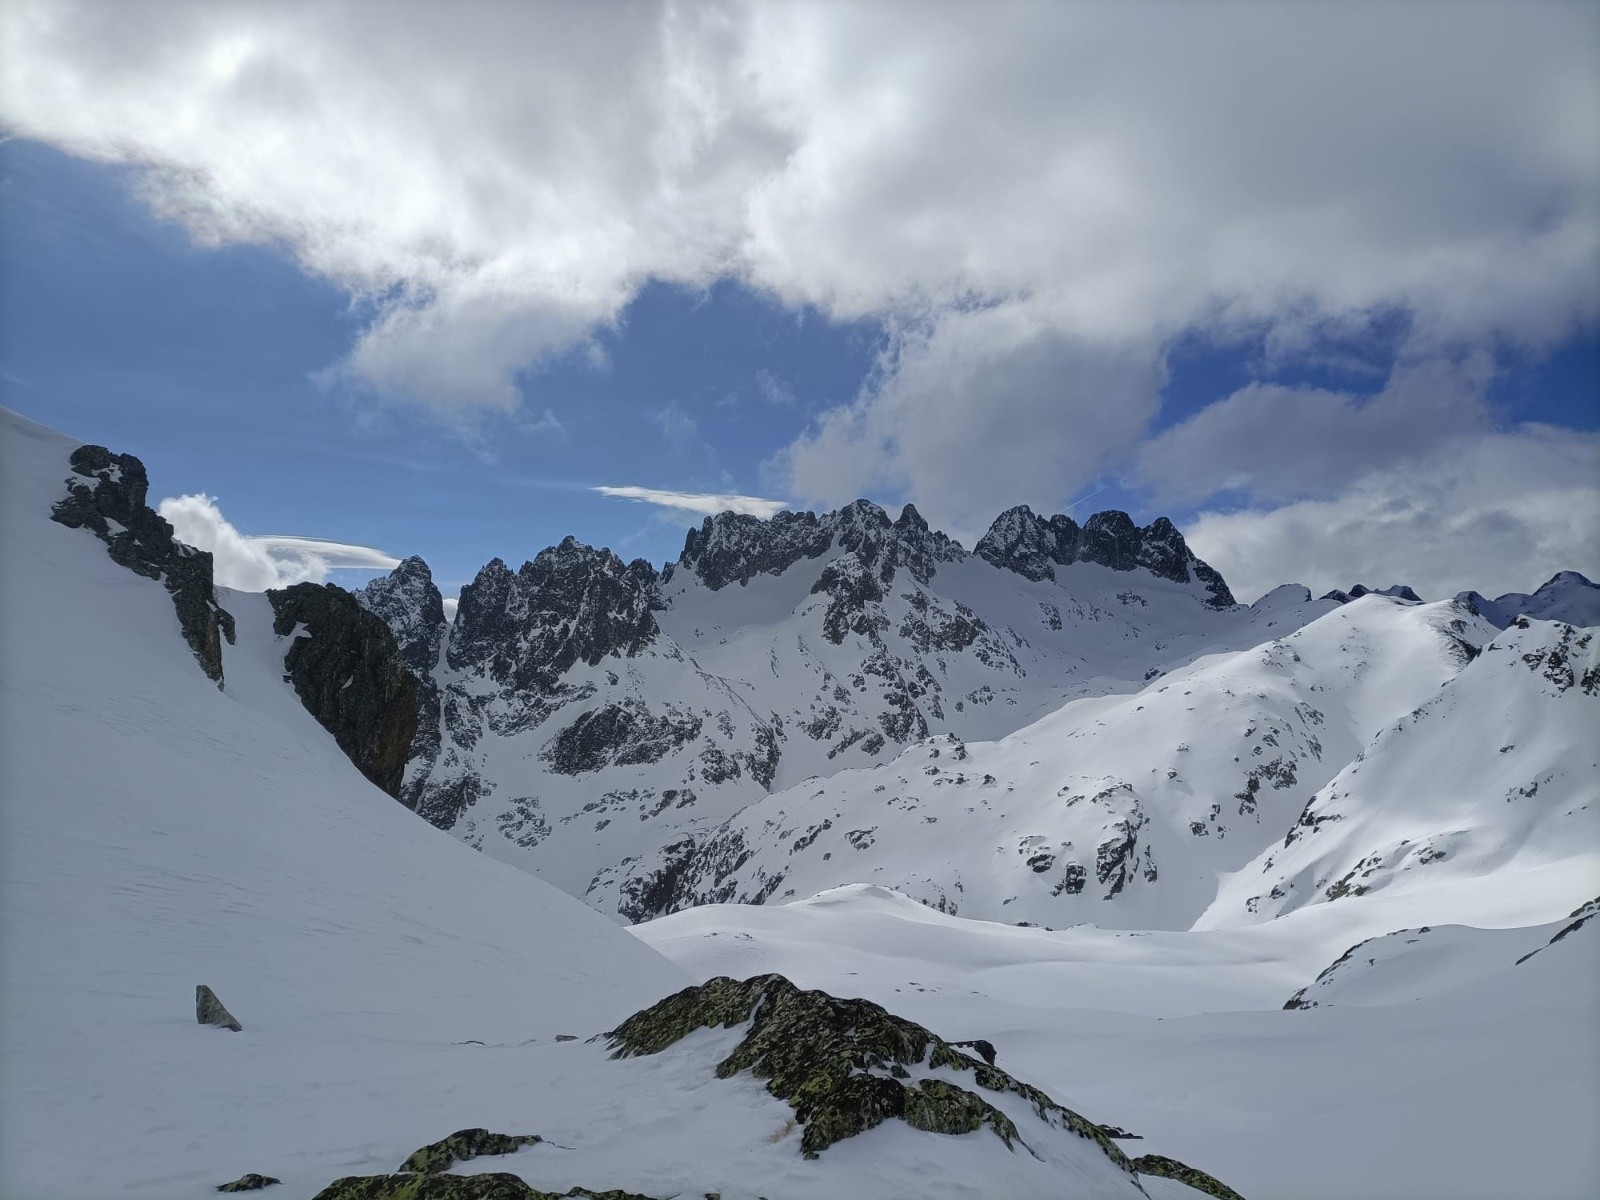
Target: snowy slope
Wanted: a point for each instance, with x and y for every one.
(1495, 777)
(393, 985)
(1127, 809)
(1460, 1074)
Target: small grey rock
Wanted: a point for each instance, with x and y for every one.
(208, 1010)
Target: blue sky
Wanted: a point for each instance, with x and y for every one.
(419, 372)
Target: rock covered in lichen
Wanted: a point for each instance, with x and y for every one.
(1171, 1168)
(208, 1010)
(465, 1144)
(495, 1186)
(844, 1066)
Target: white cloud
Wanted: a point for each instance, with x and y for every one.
(1497, 512)
(983, 410)
(254, 564)
(1048, 193)
(705, 503)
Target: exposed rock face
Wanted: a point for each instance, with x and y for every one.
(248, 1183)
(409, 603)
(1171, 1168)
(106, 494)
(1397, 591)
(495, 1186)
(348, 672)
(571, 604)
(465, 1144)
(844, 1066)
(208, 1010)
(1035, 546)
(733, 548)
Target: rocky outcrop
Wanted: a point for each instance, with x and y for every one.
(409, 603)
(1035, 546)
(1171, 1168)
(571, 604)
(1396, 591)
(106, 494)
(494, 1186)
(208, 1010)
(845, 1066)
(348, 672)
(465, 1144)
(248, 1183)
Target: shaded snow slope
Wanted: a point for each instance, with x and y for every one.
(1461, 1074)
(1127, 809)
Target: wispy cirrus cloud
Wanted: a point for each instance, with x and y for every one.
(256, 563)
(705, 503)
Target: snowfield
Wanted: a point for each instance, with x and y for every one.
(1329, 936)
(393, 985)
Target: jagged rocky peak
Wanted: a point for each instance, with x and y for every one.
(571, 604)
(1034, 546)
(411, 605)
(1028, 544)
(734, 547)
(106, 494)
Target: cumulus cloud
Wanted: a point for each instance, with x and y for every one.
(1496, 512)
(707, 504)
(985, 409)
(254, 564)
(1042, 192)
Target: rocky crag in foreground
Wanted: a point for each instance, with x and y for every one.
(595, 720)
(344, 662)
(844, 1067)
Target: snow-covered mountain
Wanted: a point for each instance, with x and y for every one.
(1128, 810)
(1496, 775)
(389, 984)
(595, 721)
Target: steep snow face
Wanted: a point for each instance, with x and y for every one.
(1126, 810)
(159, 834)
(1495, 776)
(596, 722)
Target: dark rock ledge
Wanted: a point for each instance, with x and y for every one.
(106, 494)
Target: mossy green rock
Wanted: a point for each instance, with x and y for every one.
(248, 1183)
(464, 1144)
(1171, 1168)
(842, 1064)
(496, 1186)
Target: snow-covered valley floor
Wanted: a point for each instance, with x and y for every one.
(1463, 1075)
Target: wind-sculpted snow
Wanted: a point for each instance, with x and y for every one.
(1496, 774)
(1124, 810)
